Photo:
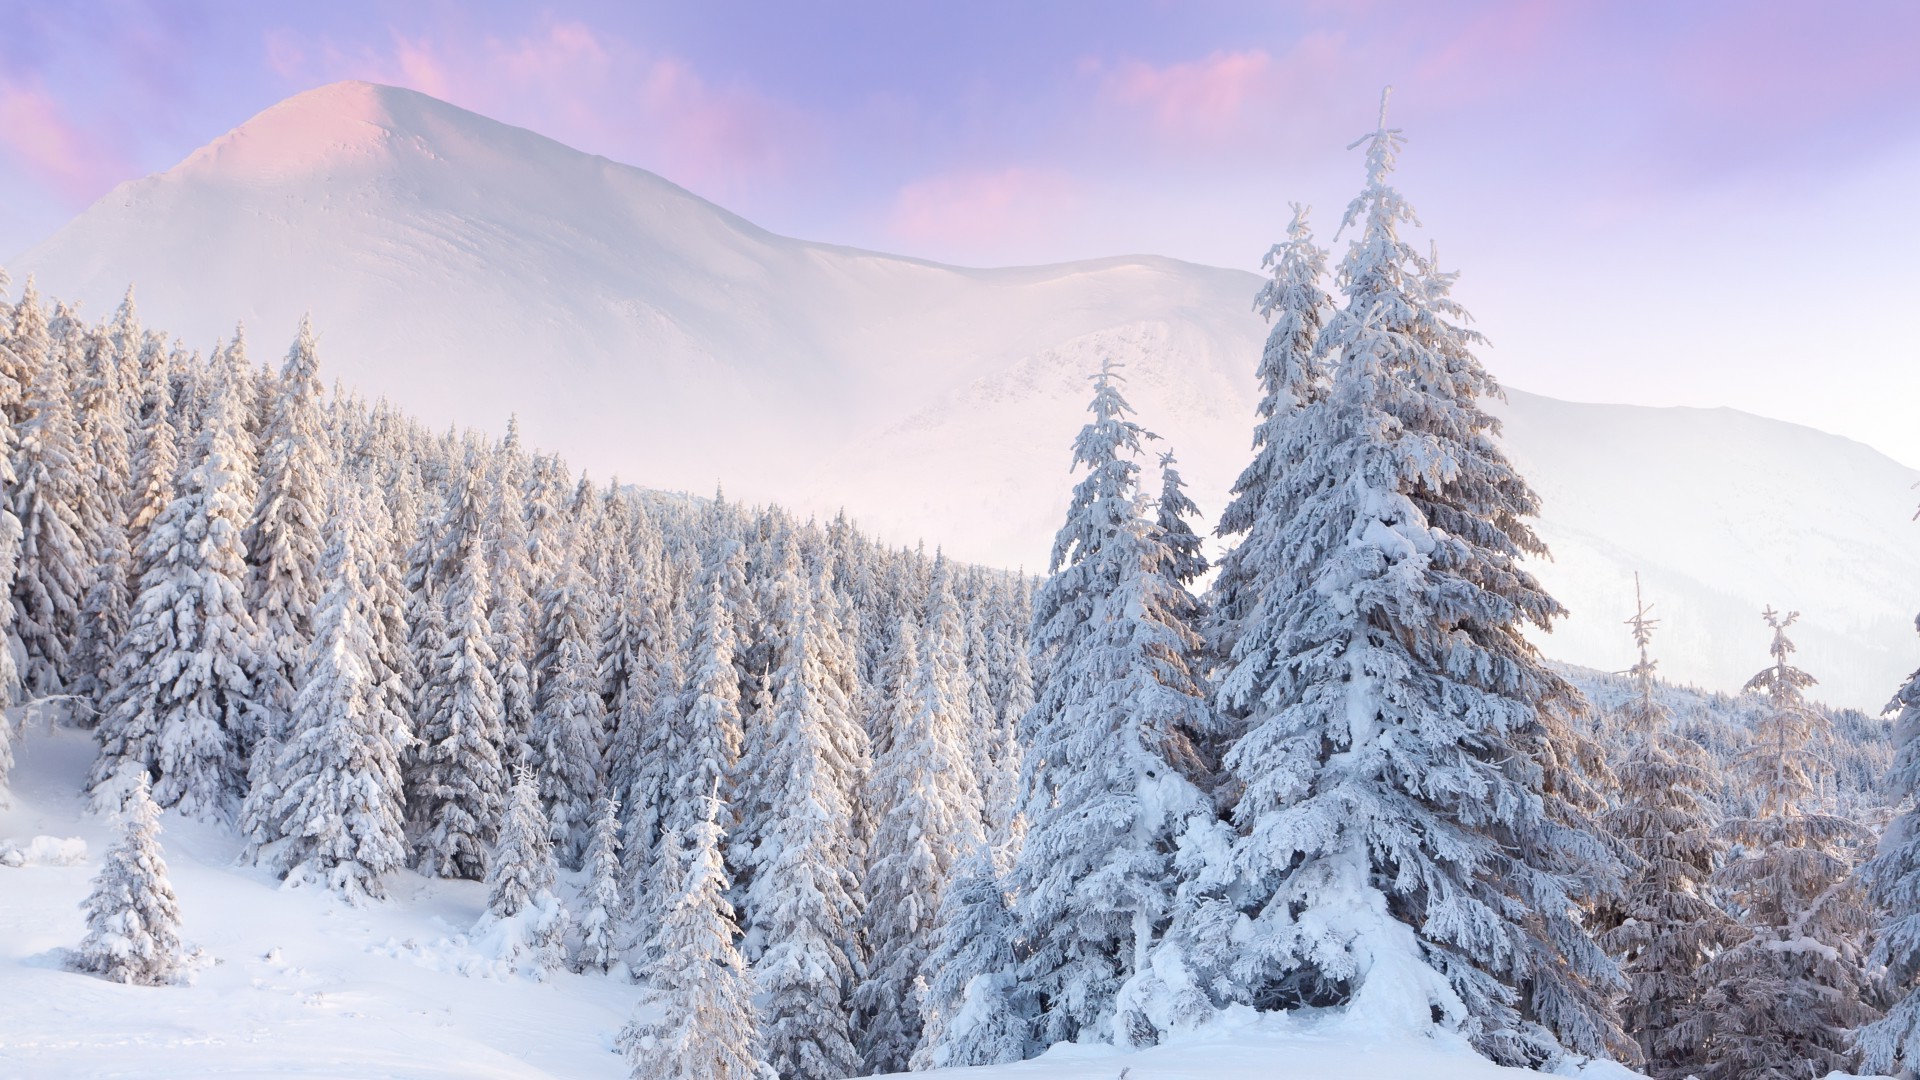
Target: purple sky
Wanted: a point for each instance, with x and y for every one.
(1697, 202)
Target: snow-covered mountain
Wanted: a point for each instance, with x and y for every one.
(469, 270)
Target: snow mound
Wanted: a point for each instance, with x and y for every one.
(43, 851)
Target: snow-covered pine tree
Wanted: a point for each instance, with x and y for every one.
(513, 607)
(970, 1012)
(133, 921)
(599, 923)
(23, 348)
(459, 783)
(284, 534)
(925, 804)
(1401, 845)
(1892, 1043)
(524, 925)
(1013, 675)
(696, 1020)
(337, 806)
(706, 746)
(10, 689)
(156, 464)
(649, 679)
(106, 405)
(696, 755)
(1783, 1002)
(53, 573)
(1291, 374)
(1112, 766)
(569, 715)
(803, 903)
(183, 683)
(1667, 922)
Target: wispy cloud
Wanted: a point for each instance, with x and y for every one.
(34, 133)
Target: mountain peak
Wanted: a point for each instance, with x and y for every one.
(320, 128)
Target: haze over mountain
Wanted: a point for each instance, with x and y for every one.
(470, 270)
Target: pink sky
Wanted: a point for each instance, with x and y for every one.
(1649, 201)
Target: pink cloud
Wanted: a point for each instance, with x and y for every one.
(973, 210)
(1205, 95)
(1226, 94)
(33, 132)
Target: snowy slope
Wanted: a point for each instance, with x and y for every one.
(469, 269)
(295, 984)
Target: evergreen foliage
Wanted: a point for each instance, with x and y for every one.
(133, 920)
(1783, 1001)
(696, 1020)
(1668, 923)
(1400, 848)
(1893, 1042)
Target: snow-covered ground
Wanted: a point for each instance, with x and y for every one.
(468, 269)
(292, 983)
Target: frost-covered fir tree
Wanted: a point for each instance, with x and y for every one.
(182, 700)
(1291, 374)
(1112, 761)
(696, 1019)
(284, 535)
(804, 901)
(106, 400)
(133, 921)
(10, 690)
(1783, 1002)
(459, 783)
(337, 808)
(599, 922)
(513, 607)
(46, 495)
(1667, 923)
(1892, 1043)
(569, 715)
(524, 925)
(705, 745)
(971, 1013)
(925, 803)
(1013, 674)
(1402, 851)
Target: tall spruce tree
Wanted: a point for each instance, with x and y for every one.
(337, 806)
(970, 1013)
(46, 495)
(1782, 1003)
(804, 901)
(569, 715)
(926, 804)
(459, 778)
(1667, 923)
(284, 536)
(107, 401)
(1291, 374)
(696, 1019)
(1113, 767)
(182, 703)
(1892, 1043)
(599, 922)
(1401, 846)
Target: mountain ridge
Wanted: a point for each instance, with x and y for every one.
(473, 270)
